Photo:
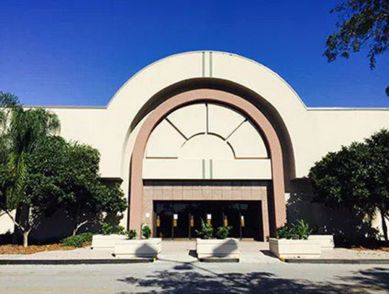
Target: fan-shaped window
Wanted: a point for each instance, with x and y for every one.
(201, 141)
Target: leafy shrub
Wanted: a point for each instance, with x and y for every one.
(223, 232)
(108, 229)
(146, 232)
(80, 240)
(284, 232)
(302, 229)
(131, 234)
(206, 231)
(299, 230)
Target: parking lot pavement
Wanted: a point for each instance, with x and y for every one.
(196, 277)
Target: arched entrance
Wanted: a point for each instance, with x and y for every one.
(276, 201)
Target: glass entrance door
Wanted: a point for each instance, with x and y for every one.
(181, 219)
(163, 219)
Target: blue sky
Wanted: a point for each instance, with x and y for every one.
(65, 52)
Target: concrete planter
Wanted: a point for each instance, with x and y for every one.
(326, 241)
(217, 249)
(284, 248)
(106, 242)
(146, 248)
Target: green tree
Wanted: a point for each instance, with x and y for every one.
(356, 177)
(22, 129)
(66, 176)
(363, 25)
(378, 146)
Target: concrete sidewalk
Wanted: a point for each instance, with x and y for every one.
(184, 251)
(179, 251)
(79, 253)
(344, 256)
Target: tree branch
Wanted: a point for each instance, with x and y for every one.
(82, 223)
(79, 226)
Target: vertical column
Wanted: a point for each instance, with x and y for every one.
(207, 64)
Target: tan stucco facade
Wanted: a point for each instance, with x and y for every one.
(313, 131)
(255, 127)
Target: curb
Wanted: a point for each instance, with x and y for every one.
(337, 261)
(219, 260)
(72, 261)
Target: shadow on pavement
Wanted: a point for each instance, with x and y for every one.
(184, 280)
(192, 253)
(268, 253)
(376, 278)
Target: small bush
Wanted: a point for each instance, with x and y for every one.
(206, 231)
(108, 229)
(80, 240)
(131, 234)
(299, 230)
(284, 233)
(302, 229)
(223, 232)
(146, 232)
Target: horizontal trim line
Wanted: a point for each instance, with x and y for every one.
(348, 108)
(65, 106)
(161, 157)
(329, 108)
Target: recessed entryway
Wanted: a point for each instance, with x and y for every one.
(181, 219)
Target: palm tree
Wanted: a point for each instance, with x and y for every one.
(21, 131)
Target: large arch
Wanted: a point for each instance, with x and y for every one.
(271, 113)
(277, 207)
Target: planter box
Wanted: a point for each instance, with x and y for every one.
(106, 242)
(147, 248)
(326, 241)
(284, 248)
(217, 249)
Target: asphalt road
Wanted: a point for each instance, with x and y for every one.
(172, 277)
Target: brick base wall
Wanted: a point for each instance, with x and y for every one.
(206, 190)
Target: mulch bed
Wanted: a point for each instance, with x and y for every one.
(19, 249)
(375, 248)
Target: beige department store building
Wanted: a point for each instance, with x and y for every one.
(217, 137)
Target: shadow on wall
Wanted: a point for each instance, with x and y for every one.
(52, 228)
(59, 226)
(347, 227)
(226, 248)
(55, 228)
(145, 250)
(6, 238)
(185, 279)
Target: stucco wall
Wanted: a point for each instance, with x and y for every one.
(313, 131)
(6, 224)
(344, 224)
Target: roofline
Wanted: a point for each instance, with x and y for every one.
(209, 51)
(310, 108)
(352, 108)
(66, 106)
